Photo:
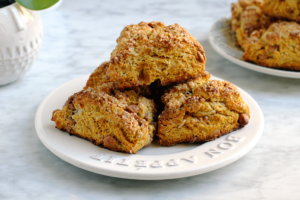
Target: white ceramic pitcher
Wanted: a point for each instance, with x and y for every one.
(21, 35)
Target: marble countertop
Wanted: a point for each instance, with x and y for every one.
(78, 36)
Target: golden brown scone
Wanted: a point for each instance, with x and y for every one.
(283, 9)
(147, 52)
(201, 110)
(119, 121)
(278, 47)
(98, 79)
(247, 16)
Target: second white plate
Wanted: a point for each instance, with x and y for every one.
(223, 41)
(151, 163)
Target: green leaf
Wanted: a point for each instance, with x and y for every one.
(37, 4)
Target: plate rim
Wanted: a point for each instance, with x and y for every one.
(248, 65)
(131, 175)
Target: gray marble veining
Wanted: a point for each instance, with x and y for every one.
(78, 36)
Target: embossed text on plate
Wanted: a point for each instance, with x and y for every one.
(173, 162)
(192, 159)
(226, 145)
(235, 138)
(124, 162)
(157, 164)
(98, 157)
(111, 158)
(141, 163)
(213, 153)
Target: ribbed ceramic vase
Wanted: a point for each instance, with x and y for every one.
(21, 35)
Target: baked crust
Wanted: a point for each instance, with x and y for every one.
(201, 110)
(99, 79)
(278, 47)
(247, 16)
(147, 52)
(119, 121)
(283, 9)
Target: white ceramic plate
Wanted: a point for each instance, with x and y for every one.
(153, 162)
(223, 41)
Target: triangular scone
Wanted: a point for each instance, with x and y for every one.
(120, 121)
(247, 16)
(283, 9)
(147, 52)
(277, 47)
(201, 110)
(98, 79)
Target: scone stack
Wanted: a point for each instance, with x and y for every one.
(153, 88)
(268, 32)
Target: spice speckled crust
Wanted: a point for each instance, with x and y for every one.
(247, 16)
(278, 47)
(98, 79)
(201, 110)
(119, 121)
(283, 9)
(147, 52)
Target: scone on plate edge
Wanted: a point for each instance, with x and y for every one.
(201, 110)
(147, 52)
(277, 47)
(119, 121)
(283, 9)
(247, 16)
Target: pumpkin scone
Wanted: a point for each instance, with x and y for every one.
(247, 16)
(119, 121)
(201, 110)
(98, 79)
(147, 52)
(283, 9)
(277, 47)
